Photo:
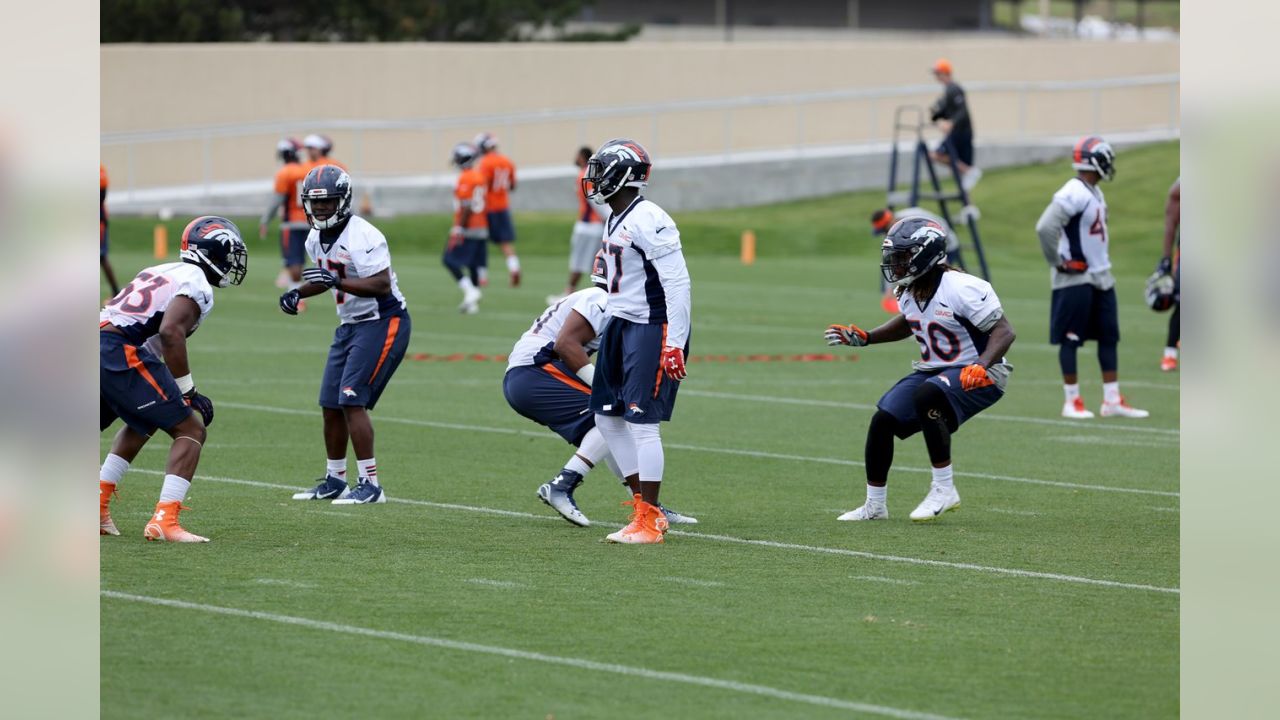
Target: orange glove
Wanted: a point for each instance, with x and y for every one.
(974, 377)
(455, 238)
(1073, 267)
(845, 335)
(673, 363)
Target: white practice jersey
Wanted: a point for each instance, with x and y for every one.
(644, 269)
(952, 328)
(535, 346)
(139, 308)
(1084, 237)
(360, 251)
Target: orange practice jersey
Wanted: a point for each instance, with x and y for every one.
(586, 209)
(289, 183)
(464, 196)
(499, 177)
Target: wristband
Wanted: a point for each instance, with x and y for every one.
(186, 384)
(455, 230)
(587, 373)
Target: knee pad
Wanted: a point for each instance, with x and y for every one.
(645, 433)
(932, 405)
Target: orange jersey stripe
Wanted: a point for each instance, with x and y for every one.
(131, 356)
(658, 383)
(574, 383)
(393, 327)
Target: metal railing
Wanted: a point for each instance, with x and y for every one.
(1025, 91)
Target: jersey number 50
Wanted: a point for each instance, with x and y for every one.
(942, 342)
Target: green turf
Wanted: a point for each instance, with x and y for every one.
(958, 640)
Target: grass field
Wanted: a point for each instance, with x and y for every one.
(1053, 591)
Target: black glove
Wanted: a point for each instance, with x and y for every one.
(1165, 267)
(200, 404)
(289, 302)
(319, 276)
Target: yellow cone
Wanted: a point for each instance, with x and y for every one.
(748, 247)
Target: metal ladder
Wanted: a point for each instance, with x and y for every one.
(912, 196)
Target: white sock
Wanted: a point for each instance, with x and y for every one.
(368, 470)
(648, 451)
(942, 477)
(482, 273)
(622, 446)
(113, 469)
(877, 495)
(513, 263)
(465, 283)
(590, 450)
(1071, 391)
(1111, 392)
(1171, 352)
(336, 468)
(174, 488)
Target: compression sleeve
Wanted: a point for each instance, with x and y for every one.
(674, 276)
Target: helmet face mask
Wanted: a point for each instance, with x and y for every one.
(326, 182)
(214, 245)
(911, 248)
(617, 164)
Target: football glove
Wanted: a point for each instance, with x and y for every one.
(455, 238)
(1073, 267)
(1165, 266)
(319, 276)
(845, 335)
(673, 363)
(200, 404)
(289, 302)
(975, 376)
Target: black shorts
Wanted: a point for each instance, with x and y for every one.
(961, 145)
(1083, 312)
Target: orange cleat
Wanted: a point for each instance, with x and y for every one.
(164, 526)
(106, 526)
(647, 525)
(1168, 364)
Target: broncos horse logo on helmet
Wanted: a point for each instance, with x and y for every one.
(464, 155)
(1094, 153)
(326, 182)
(617, 164)
(214, 245)
(911, 248)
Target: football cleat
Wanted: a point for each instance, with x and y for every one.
(1168, 364)
(164, 527)
(1076, 410)
(646, 527)
(364, 493)
(1122, 409)
(470, 304)
(283, 279)
(970, 179)
(558, 494)
(106, 526)
(675, 518)
(515, 278)
(870, 511)
(330, 488)
(938, 501)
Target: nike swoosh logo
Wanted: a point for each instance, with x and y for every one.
(664, 227)
(938, 511)
(984, 297)
(366, 252)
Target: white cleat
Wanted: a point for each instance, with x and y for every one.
(970, 179)
(1122, 409)
(1076, 410)
(938, 501)
(870, 511)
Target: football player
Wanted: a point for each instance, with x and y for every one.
(1073, 237)
(293, 228)
(318, 149)
(500, 180)
(145, 374)
(102, 232)
(1170, 264)
(353, 262)
(883, 219)
(470, 231)
(642, 351)
(588, 228)
(963, 335)
(950, 113)
(548, 380)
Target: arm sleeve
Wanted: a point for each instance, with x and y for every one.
(980, 305)
(674, 276)
(959, 109)
(372, 257)
(1049, 227)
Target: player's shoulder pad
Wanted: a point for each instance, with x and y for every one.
(191, 282)
(363, 231)
(655, 222)
(1074, 195)
(969, 288)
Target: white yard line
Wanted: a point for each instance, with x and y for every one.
(511, 653)
(877, 578)
(1005, 511)
(285, 583)
(1013, 572)
(693, 581)
(724, 451)
(503, 584)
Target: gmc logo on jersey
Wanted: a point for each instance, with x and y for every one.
(942, 313)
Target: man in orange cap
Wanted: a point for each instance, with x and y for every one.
(951, 114)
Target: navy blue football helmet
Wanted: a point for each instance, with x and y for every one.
(617, 164)
(322, 183)
(1094, 153)
(464, 155)
(287, 150)
(910, 249)
(214, 245)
